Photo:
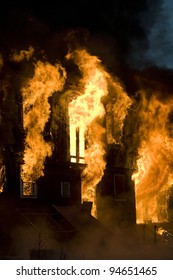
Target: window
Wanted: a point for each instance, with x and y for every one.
(77, 144)
(65, 189)
(119, 184)
(28, 190)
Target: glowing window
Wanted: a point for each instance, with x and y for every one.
(77, 144)
(28, 189)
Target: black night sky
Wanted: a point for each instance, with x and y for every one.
(129, 23)
(124, 34)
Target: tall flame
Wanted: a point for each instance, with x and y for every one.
(87, 112)
(36, 111)
(154, 177)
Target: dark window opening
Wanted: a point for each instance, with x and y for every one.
(119, 185)
(65, 189)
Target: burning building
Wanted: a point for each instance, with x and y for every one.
(72, 134)
(75, 140)
(69, 133)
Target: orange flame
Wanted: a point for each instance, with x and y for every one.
(154, 178)
(161, 231)
(36, 111)
(23, 54)
(87, 112)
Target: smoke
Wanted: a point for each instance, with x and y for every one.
(160, 41)
(23, 232)
(152, 22)
(124, 27)
(26, 234)
(118, 33)
(93, 240)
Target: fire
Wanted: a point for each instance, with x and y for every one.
(87, 113)
(2, 177)
(36, 111)
(166, 235)
(153, 178)
(23, 54)
(161, 231)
